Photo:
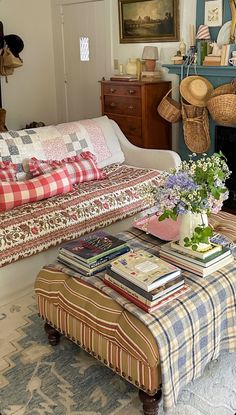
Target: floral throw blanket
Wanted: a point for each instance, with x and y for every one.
(35, 227)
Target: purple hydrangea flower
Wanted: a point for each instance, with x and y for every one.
(181, 180)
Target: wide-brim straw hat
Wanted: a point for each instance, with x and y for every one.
(196, 90)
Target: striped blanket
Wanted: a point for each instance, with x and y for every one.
(191, 330)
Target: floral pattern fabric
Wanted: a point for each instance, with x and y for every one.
(29, 229)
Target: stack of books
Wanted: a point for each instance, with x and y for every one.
(200, 263)
(211, 60)
(91, 253)
(124, 77)
(145, 279)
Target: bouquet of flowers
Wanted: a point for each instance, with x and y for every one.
(196, 186)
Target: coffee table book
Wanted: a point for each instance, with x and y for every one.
(144, 269)
(201, 271)
(93, 268)
(204, 262)
(89, 248)
(155, 305)
(146, 297)
(214, 248)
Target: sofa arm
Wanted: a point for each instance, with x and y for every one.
(142, 157)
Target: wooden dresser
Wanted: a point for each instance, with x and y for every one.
(133, 105)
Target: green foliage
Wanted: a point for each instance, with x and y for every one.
(201, 234)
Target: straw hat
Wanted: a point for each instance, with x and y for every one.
(196, 90)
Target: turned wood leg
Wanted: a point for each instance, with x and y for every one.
(150, 403)
(53, 334)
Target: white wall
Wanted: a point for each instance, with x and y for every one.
(30, 93)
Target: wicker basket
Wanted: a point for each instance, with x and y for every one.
(196, 128)
(169, 109)
(222, 108)
(223, 89)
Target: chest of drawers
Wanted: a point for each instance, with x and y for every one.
(133, 105)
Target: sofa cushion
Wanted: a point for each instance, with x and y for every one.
(13, 194)
(61, 141)
(81, 168)
(7, 171)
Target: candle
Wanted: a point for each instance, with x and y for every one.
(190, 34)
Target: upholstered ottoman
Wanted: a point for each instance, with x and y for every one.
(111, 331)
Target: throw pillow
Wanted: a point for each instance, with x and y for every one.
(81, 168)
(7, 171)
(14, 194)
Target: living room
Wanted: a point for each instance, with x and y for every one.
(52, 87)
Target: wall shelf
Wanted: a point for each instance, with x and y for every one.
(207, 71)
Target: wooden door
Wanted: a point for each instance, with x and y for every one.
(84, 20)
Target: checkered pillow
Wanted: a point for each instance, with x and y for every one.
(81, 168)
(14, 194)
(7, 171)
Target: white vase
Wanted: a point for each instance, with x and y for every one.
(188, 223)
(131, 67)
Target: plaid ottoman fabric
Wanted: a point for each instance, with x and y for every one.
(191, 330)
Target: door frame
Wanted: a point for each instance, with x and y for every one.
(59, 51)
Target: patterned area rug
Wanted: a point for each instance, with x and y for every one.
(36, 378)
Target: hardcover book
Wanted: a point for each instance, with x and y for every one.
(214, 248)
(196, 269)
(144, 269)
(93, 246)
(203, 262)
(162, 294)
(143, 306)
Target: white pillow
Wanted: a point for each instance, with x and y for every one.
(112, 142)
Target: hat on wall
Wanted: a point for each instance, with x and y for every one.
(15, 44)
(196, 90)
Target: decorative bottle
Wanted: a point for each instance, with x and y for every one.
(182, 47)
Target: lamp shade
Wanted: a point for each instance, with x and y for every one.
(203, 32)
(150, 52)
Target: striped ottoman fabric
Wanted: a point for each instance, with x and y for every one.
(101, 326)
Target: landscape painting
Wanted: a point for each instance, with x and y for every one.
(149, 21)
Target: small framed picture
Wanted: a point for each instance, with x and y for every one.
(213, 13)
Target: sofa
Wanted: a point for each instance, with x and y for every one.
(37, 214)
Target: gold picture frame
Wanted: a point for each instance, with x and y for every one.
(148, 21)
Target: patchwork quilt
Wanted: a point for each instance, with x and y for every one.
(32, 228)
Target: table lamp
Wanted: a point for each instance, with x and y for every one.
(150, 55)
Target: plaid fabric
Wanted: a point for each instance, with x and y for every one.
(81, 168)
(14, 194)
(7, 171)
(190, 331)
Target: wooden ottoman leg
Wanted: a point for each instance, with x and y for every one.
(53, 334)
(150, 403)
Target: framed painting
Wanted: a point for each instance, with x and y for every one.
(148, 21)
(213, 13)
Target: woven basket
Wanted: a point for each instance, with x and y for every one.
(196, 128)
(169, 109)
(223, 89)
(222, 109)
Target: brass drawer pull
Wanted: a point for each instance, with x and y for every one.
(112, 90)
(130, 107)
(112, 104)
(132, 91)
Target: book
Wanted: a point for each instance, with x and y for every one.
(75, 268)
(140, 294)
(212, 58)
(86, 269)
(106, 259)
(211, 63)
(158, 304)
(196, 269)
(204, 262)
(144, 269)
(214, 248)
(124, 78)
(93, 246)
(150, 295)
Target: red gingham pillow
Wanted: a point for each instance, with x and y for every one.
(7, 171)
(14, 194)
(81, 168)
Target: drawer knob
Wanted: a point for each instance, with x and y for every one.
(132, 91)
(130, 107)
(112, 90)
(112, 104)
